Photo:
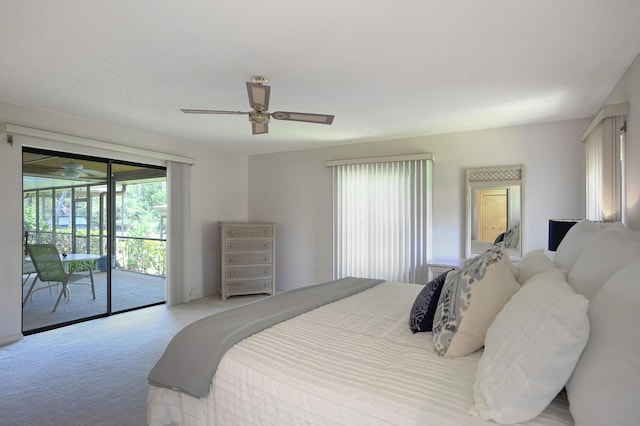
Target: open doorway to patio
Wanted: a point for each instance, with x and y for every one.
(103, 216)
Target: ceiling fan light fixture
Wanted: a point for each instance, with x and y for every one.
(72, 166)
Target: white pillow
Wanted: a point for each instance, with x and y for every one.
(603, 256)
(530, 351)
(533, 263)
(555, 274)
(604, 387)
(572, 244)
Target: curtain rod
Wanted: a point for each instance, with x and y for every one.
(606, 112)
(14, 129)
(370, 160)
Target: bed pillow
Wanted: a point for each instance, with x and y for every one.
(530, 351)
(424, 307)
(604, 387)
(555, 274)
(533, 263)
(470, 300)
(569, 249)
(575, 240)
(602, 257)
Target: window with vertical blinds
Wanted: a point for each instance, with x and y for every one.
(382, 217)
(604, 193)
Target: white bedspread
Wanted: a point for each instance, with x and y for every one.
(352, 362)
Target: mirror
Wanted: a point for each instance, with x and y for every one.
(494, 209)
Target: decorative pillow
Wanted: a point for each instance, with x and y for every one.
(424, 307)
(533, 263)
(604, 387)
(499, 238)
(470, 300)
(530, 351)
(601, 257)
(512, 237)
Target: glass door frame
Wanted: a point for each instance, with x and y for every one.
(110, 212)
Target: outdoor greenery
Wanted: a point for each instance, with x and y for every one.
(140, 223)
(148, 256)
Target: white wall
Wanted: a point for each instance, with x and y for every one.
(628, 90)
(294, 189)
(218, 192)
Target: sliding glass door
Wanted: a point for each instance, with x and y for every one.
(138, 263)
(105, 218)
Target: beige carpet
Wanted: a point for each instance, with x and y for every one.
(92, 373)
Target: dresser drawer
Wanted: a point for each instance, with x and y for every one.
(239, 272)
(248, 259)
(233, 246)
(248, 286)
(256, 231)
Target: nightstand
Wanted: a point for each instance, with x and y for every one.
(437, 267)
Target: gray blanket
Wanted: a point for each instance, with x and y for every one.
(189, 362)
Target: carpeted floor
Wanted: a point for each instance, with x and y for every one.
(93, 373)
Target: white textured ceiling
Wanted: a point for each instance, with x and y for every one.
(386, 69)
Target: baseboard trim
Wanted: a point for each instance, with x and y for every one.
(10, 339)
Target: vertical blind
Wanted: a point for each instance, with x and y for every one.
(382, 219)
(603, 171)
(178, 226)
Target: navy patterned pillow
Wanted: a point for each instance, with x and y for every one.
(424, 307)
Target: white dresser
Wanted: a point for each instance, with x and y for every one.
(247, 264)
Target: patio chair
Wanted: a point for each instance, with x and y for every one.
(27, 271)
(49, 268)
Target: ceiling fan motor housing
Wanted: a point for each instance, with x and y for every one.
(258, 117)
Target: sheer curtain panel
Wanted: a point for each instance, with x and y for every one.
(382, 217)
(178, 260)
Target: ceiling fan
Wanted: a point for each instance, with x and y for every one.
(259, 116)
(55, 166)
(76, 170)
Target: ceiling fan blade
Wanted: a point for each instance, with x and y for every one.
(260, 128)
(258, 96)
(209, 111)
(94, 173)
(302, 116)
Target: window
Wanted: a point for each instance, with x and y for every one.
(382, 217)
(604, 152)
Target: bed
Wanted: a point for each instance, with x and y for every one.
(355, 360)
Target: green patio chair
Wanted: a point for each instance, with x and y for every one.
(49, 268)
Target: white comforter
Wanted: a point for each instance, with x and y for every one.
(352, 362)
